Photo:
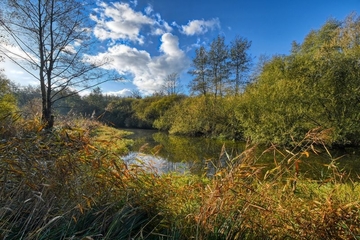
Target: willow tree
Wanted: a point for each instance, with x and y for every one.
(316, 86)
(50, 40)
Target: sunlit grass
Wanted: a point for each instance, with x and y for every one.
(71, 183)
(110, 139)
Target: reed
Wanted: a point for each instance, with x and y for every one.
(70, 183)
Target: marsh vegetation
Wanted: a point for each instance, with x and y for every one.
(72, 184)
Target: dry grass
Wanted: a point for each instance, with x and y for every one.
(240, 203)
(71, 184)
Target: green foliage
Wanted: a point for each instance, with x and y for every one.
(7, 99)
(214, 69)
(200, 84)
(240, 61)
(315, 86)
(121, 114)
(219, 72)
(151, 108)
(69, 102)
(203, 115)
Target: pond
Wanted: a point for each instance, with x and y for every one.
(161, 153)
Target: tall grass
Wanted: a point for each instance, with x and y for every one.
(242, 202)
(70, 183)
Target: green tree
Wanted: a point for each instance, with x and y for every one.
(240, 61)
(315, 86)
(71, 102)
(24, 94)
(200, 84)
(121, 113)
(202, 116)
(53, 37)
(218, 60)
(150, 109)
(7, 99)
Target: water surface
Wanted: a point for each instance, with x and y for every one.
(164, 153)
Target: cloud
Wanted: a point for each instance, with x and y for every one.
(148, 72)
(121, 93)
(134, 2)
(170, 45)
(17, 54)
(149, 9)
(83, 92)
(163, 26)
(118, 21)
(17, 75)
(198, 27)
(19, 72)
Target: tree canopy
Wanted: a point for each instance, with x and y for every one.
(7, 98)
(221, 69)
(317, 85)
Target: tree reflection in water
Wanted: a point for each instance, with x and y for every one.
(161, 152)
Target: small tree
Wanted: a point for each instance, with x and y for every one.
(218, 60)
(240, 60)
(172, 84)
(200, 83)
(53, 38)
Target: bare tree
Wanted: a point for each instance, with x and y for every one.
(172, 84)
(53, 38)
(136, 94)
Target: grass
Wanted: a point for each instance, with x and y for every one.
(70, 183)
(111, 139)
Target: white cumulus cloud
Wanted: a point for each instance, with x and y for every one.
(148, 71)
(121, 93)
(118, 21)
(198, 27)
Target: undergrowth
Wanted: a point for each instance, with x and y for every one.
(70, 183)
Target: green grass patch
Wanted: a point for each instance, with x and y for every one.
(111, 139)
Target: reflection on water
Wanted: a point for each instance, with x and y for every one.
(154, 163)
(182, 154)
(161, 152)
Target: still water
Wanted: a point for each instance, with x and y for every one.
(161, 152)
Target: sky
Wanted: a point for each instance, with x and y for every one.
(149, 39)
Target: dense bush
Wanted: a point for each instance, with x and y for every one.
(7, 98)
(315, 86)
(202, 116)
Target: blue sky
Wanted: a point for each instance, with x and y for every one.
(149, 39)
